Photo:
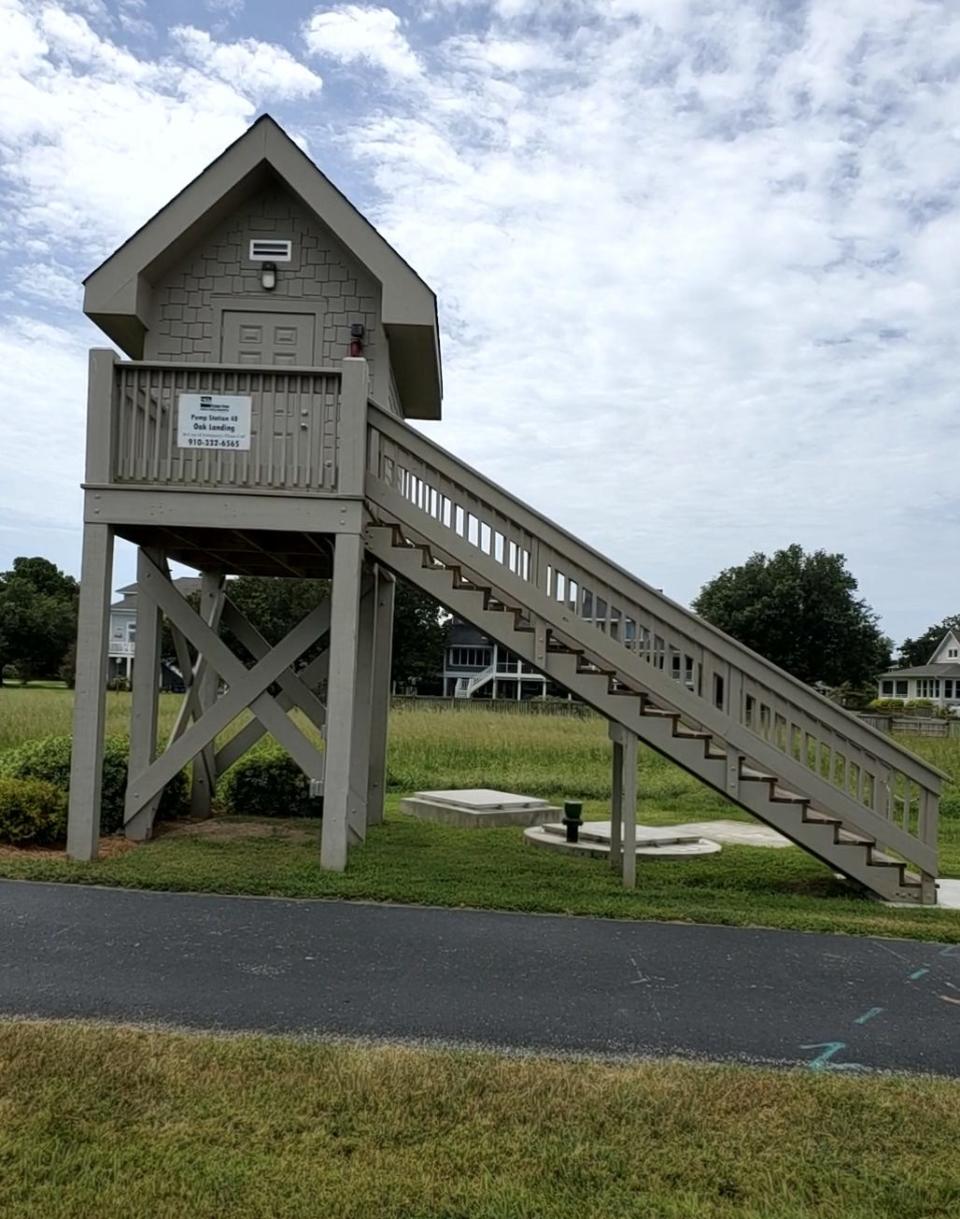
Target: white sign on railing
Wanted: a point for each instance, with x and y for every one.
(213, 421)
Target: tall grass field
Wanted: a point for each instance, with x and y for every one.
(434, 747)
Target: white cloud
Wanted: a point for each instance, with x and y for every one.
(354, 33)
(697, 265)
(258, 68)
(690, 308)
(80, 114)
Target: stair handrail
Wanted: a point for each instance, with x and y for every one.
(682, 620)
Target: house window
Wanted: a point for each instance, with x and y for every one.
(903, 688)
(929, 687)
(132, 632)
(886, 687)
(953, 652)
(948, 687)
(470, 658)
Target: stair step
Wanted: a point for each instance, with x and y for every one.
(757, 776)
(815, 818)
(781, 796)
(847, 839)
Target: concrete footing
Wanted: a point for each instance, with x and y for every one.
(478, 808)
(653, 842)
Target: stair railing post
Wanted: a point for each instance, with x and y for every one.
(354, 392)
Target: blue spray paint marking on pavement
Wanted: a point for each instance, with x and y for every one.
(918, 973)
(874, 1011)
(822, 1061)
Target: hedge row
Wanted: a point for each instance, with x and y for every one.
(47, 761)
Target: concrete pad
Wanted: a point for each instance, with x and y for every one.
(735, 833)
(653, 842)
(948, 894)
(477, 808)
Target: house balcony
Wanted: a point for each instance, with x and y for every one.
(242, 468)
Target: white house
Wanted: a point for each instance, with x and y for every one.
(123, 630)
(476, 666)
(938, 680)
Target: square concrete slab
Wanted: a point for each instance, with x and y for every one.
(474, 808)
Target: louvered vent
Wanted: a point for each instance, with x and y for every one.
(264, 250)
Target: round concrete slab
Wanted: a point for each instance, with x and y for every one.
(595, 848)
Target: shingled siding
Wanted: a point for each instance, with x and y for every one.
(321, 275)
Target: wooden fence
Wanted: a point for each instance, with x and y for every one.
(914, 725)
(509, 706)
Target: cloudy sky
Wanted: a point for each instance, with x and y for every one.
(698, 262)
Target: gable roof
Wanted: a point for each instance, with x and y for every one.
(117, 293)
(950, 635)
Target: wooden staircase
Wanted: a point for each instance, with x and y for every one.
(847, 794)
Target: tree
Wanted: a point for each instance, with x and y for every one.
(38, 617)
(801, 612)
(419, 637)
(918, 651)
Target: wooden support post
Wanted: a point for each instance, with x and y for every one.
(384, 592)
(339, 803)
(362, 707)
(144, 704)
(628, 772)
(89, 709)
(616, 801)
(204, 767)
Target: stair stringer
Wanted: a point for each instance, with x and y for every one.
(635, 672)
(790, 817)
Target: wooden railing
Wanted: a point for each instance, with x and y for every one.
(293, 441)
(752, 707)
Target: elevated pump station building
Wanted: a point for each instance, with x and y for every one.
(276, 348)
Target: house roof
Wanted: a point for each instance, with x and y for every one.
(949, 635)
(941, 670)
(117, 294)
(185, 585)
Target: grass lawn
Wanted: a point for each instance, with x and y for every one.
(408, 861)
(119, 1124)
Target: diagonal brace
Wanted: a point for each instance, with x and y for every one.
(246, 689)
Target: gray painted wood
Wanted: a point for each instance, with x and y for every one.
(385, 590)
(247, 689)
(144, 701)
(89, 708)
(204, 689)
(339, 802)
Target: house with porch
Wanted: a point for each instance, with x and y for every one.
(938, 680)
(476, 666)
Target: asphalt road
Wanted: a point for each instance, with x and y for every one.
(526, 981)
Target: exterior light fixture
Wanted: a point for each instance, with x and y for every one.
(268, 276)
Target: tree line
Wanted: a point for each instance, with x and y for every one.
(800, 610)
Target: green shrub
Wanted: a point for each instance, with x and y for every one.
(925, 705)
(48, 759)
(950, 805)
(885, 706)
(31, 811)
(267, 783)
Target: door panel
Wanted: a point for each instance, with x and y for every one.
(267, 338)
